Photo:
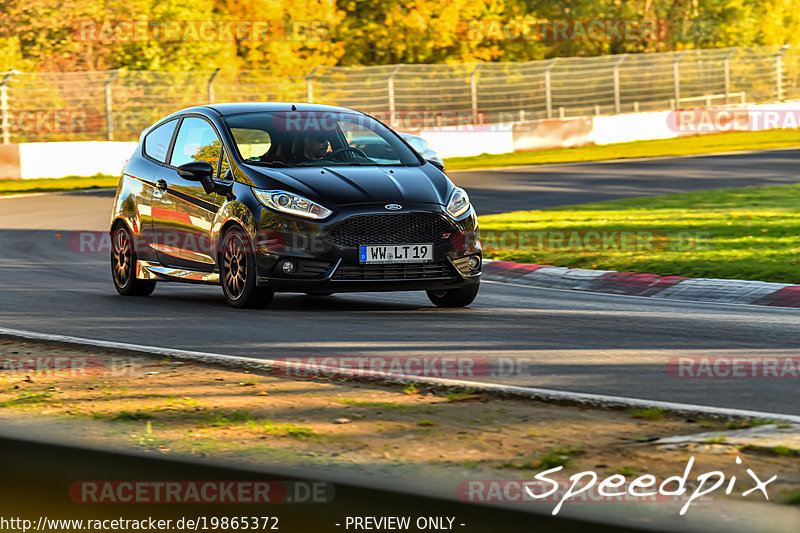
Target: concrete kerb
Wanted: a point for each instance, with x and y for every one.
(709, 290)
(268, 367)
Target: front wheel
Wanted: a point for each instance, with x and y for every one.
(123, 265)
(238, 273)
(460, 297)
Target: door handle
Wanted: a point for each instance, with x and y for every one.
(162, 185)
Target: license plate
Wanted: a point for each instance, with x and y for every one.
(396, 253)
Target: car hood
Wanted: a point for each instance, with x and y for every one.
(340, 185)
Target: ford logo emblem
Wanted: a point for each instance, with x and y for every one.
(393, 207)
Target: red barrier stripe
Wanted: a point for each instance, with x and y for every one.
(785, 297)
(632, 283)
(508, 269)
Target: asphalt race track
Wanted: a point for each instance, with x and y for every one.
(521, 188)
(573, 341)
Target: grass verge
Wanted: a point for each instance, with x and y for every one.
(69, 183)
(696, 144)
(191, 410)
(750, 233)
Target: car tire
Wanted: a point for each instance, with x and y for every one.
(237, 272)
(123, 265)
(460, 297)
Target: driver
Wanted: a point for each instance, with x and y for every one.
(311, 147)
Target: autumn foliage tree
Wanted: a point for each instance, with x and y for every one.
(51, 35)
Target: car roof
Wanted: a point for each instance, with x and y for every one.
(233, 108)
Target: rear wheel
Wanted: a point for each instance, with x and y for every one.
(238, 272)
(123, 265)
(460, 297)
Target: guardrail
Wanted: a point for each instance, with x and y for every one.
(118, 104)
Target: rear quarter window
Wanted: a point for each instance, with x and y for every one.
(156, 143)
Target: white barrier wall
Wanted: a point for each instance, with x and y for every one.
(81, 158)
(459, 141)
(58, 159)
(631, 127)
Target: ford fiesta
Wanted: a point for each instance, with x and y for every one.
(273, 197)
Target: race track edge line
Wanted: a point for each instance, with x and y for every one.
(252, 364)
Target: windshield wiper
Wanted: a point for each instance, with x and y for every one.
(280, 164)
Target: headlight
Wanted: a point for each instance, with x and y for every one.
(293, 204)
(459, 203)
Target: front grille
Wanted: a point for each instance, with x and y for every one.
(405, 228)
(394, 271)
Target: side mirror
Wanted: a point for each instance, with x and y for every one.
(437, 164)
(201, 171)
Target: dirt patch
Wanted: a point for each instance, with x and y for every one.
(182, 408)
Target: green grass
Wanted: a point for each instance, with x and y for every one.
(649, 414)
(697, 144)
(749, 233)
(627, 471)
(552, 459)
(456, 395)
(717, 439)
(386, 406)
(226, 418)
(27, 399)
(744, 424)
(287, 430)
(780, 450)
(70, 183)
(411, 389)
(125, 416)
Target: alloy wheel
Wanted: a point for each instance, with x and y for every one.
(234, 266)
(123, 257)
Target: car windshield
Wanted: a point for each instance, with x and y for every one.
(317, 138)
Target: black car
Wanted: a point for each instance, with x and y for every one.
(268, 197)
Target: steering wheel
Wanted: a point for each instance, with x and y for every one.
(347, 149)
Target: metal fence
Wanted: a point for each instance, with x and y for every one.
(117, 105)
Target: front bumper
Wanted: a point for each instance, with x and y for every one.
(338, 280)
(327, 261)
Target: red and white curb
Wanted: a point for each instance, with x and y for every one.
(636, 284)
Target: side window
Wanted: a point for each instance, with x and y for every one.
(156, 143)
(251, 142)
(196, 141)
(223, 166)
(417, 143)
